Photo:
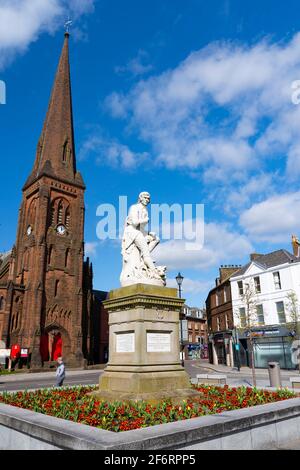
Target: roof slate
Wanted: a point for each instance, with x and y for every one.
(276, 258)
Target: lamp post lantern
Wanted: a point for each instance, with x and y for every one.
(179, 279)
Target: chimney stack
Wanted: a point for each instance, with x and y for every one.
(296, 246)
(253, 256)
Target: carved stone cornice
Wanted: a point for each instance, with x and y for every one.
(144, 301)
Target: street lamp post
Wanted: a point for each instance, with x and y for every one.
(236, 347)
(179, 279)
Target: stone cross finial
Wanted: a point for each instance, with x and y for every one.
(67, 25)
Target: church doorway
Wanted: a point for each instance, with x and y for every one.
(56, 346)
(54, 343)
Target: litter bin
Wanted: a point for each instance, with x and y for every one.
(274, 374)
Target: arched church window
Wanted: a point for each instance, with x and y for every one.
(60, 212)
(17, 320)
(67, 219)
(32, 212)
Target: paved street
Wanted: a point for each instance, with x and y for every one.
(22, 381)
(47, 379)
(235, 378)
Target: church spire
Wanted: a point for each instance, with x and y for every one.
(55, 154)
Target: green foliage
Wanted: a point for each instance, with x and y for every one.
(75, 404)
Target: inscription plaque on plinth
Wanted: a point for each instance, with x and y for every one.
(144, 346)
(158, 342)
(125, 342)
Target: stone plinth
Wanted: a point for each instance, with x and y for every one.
(144, 345)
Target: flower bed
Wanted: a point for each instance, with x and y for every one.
(76, 405)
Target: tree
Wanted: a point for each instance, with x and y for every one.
(292, 305)
(249, 319)
(293, 310)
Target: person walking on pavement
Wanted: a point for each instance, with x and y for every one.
(60, 372)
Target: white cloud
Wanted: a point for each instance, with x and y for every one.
(22, 21)
(191, 286)
(273, 220)
(221, 245)
(111, 152)
(90, 248)
(258, 187)
(137, 66)
(225, 110)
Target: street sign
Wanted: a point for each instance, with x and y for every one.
(4, 352)
(237, 347)
(24, 352)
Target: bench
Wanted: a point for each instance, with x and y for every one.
(209, 379)
(295, 382)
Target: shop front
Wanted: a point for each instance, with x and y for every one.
(220, 350)
(193, 351)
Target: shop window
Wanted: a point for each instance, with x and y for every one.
(280, 312)
(277, 282)
(240, 288)
(257, 285)
(260, 314)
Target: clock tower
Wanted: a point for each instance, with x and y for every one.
(48, 259)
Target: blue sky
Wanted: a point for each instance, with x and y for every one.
(190, 100)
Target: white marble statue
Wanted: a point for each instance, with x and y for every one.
(137, 245)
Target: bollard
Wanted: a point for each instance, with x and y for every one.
(274, 374)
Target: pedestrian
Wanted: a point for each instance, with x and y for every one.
(60, 372)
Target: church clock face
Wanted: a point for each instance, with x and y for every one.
(29, 230)
(61, 229)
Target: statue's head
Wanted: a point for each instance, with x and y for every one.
(144, 198)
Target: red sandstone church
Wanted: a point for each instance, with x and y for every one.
(47, 302)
